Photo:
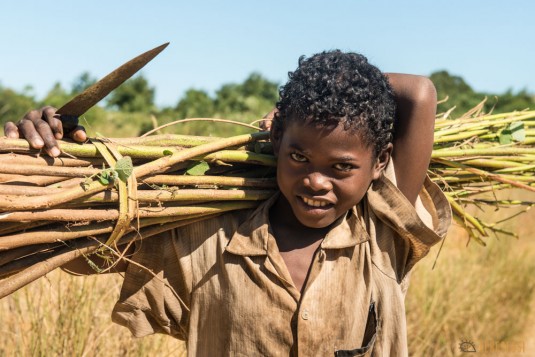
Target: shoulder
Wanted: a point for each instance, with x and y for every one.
(402, 234)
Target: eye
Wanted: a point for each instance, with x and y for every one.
(344, 167)
(298, 157)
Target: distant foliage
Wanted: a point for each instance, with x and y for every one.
(464, 98)
(130, 110)
(13, 105)
(135, 95)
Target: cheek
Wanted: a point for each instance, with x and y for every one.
(290, 170)
(287, 175)
(352, 191)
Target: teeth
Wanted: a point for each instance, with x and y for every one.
(314, 203)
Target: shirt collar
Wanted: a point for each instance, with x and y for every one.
(251, 237)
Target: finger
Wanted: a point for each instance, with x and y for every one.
(11, 130)
(50, 143)
(42, 134)
(53, 120)
(78, 134)
(265, 124)
(27, 130)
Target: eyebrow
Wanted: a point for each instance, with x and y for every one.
(346, 158)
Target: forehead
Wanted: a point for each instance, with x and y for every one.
(332, 140)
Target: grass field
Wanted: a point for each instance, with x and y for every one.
(476, 294)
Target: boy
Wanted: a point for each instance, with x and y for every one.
(322, 267)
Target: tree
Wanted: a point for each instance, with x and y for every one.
(509, 101)
(195, 104)
(252, 99)
(257, 86)
(56, 96)
(135, 95)
(464, 98)
(13, 105)
(459, 93)
(82, 82)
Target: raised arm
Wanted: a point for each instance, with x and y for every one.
(416, 102)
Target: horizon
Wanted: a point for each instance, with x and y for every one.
(486, 44)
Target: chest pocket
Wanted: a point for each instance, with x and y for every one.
(369, 337)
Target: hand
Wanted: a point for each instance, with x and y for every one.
(268, 118)
(42, 127)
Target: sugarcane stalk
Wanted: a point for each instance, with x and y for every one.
(29, 180)
(468, 217)
(180, 156)
(22, 169)
(61, 233)
(26, 190)
(42, 267)
(85, 215)
(492, 151)
(180, 195)
(440, 123)
(218, 181)
(18, 159)
(166, 162)
(17, 253)
(73, 250)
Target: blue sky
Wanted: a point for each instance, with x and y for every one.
(489, 43)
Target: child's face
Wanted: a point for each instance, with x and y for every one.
(322, 173)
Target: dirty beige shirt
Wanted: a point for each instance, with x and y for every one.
(223, 286)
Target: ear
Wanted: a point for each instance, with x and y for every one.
(382, 160)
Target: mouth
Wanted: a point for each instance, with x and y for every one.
(315, 203)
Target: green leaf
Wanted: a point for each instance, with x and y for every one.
(513, 132)
(124, 168)
(104, 179)
(505, 137)
(199, 169)
(518, 132)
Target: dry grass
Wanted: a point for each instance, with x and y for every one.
(482, 295)
(474, 293)
(65, 315)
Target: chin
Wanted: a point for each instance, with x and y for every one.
(313, 222)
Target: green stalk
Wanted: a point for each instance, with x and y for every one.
(183, 195)
(440, 123)
(240, 156)
(441, 138)
(217, 181)
(85, 215)
(466, 216)
(493, 151)
(183, 155)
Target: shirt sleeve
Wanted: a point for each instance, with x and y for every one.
(155, 295)
(404, 233)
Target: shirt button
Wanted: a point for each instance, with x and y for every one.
(304, 314)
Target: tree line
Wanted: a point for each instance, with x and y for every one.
(244, 101)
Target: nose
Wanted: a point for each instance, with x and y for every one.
(316, 181)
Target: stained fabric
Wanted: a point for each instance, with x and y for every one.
(223, 287)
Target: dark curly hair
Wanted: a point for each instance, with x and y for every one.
(334, 87)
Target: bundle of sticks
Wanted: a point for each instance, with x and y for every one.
(105, 194)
